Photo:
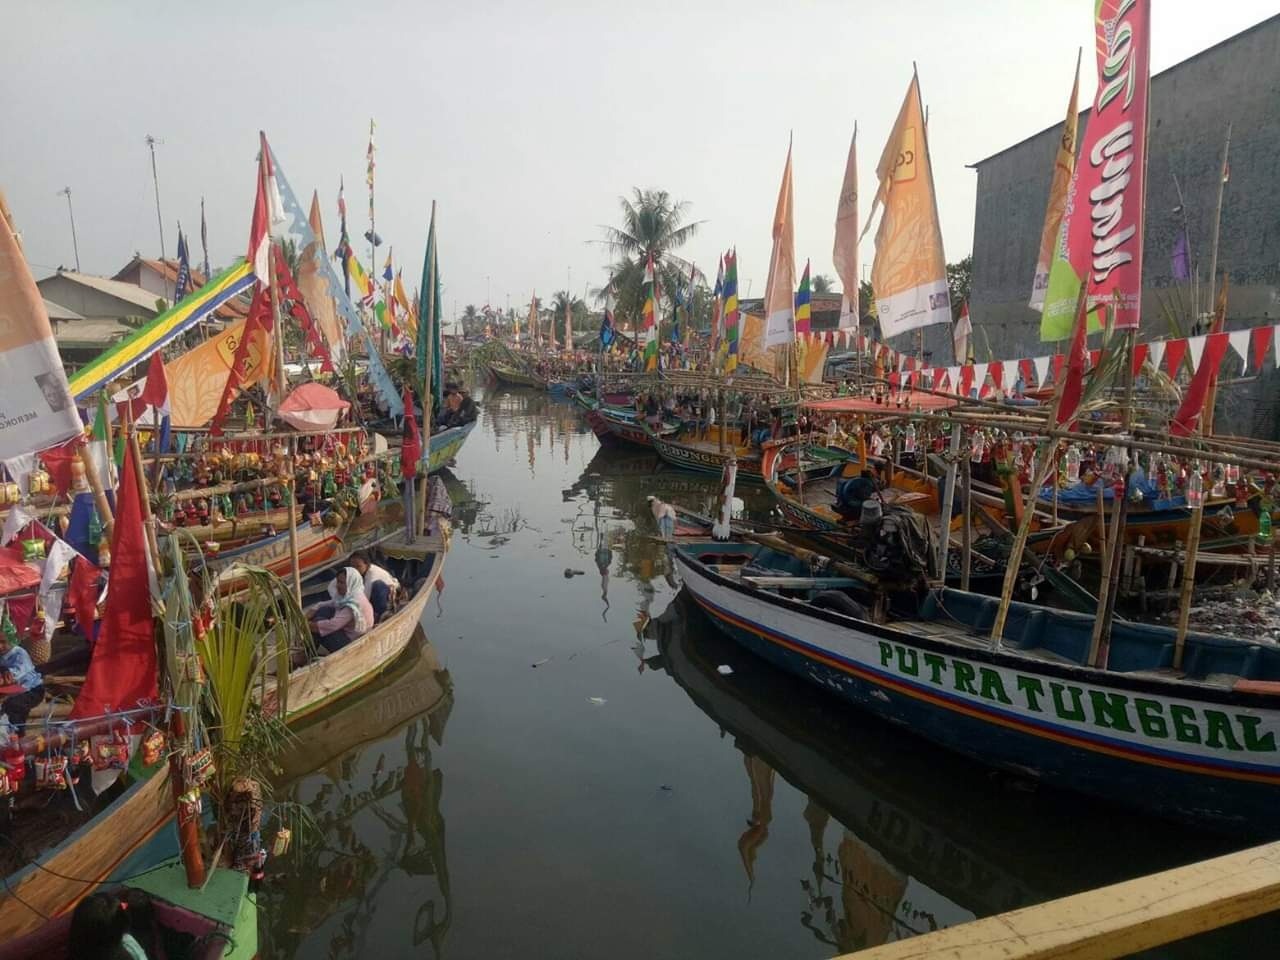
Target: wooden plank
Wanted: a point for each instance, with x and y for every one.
(1112, 921)
(803, 583)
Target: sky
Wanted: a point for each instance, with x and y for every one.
(524, 121)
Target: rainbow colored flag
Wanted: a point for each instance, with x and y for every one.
(359, 279)
(650, 319)
(731, 313)
(802, 303)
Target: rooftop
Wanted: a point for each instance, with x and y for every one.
(128, 292)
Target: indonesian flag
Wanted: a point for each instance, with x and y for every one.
(99, 452)
(268, 212)
(961, 332)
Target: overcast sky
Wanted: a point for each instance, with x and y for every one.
(524, 120)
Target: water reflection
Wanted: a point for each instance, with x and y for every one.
(920, 840)
(524, 416)
(366, 776)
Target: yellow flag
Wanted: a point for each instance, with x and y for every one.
(198, 377)
(910, 271)
(1063, 167)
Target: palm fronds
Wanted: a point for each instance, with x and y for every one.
(249, 636)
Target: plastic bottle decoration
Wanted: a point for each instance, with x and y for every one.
(1264, 523)
(15, 760)
(1242, 493)
(909, 439)
(877, 444)
(32, 550)
(1219, 481)
(1195, 487)
(977, 447)
(280, 846)
(1233, 474)
(95, 528)
(1073, 464)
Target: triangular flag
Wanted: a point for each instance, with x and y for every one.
(1261, 340)
(1239, 340)
(1139, 357)
(966, 380)
(953, 377)
(1174, 351)
(1195, 346)
(1026, 370)
(122, 667)
(1042, 369)
(1155, 353)
(939, 373)
(1058, 360)
(995, 370)
(979, 376)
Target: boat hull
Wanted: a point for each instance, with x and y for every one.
(516, 378)
(933, 689)
(689, 457)
(446, 444)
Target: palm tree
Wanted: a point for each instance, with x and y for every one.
(822, 283)
(470, 319)
(577, 309)
(654, 225)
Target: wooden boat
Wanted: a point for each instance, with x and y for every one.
(219, 920)
(329, 678)
(56, 881)
(625, 426)
(703, 453)
(1197, 743)
(446, 444)
(512, 377)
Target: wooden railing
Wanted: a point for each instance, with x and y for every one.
(1112, 921)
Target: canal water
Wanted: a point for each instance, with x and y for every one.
(574, 763)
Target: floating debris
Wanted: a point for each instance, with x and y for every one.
(724, 670)
(597, 701)
(570, 574)
(539, 663)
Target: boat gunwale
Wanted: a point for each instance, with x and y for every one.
(1002, 656)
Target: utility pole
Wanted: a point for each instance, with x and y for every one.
(66, 192)
(151, 142)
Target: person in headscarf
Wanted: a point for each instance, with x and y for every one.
(351, 615)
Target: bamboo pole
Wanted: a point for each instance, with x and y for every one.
(1217, 217)
(966, 541)
(144, 492)
(1100, 641)
(420, 515)
(948, 502)
(99, 494)
(281, 383)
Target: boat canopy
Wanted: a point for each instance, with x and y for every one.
(916, 401)
(312, 406)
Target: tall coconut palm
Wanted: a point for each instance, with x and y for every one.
(653, 224)
(822, 283)
(577, 309)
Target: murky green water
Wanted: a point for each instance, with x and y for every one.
(564, 770)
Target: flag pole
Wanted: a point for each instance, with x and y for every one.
(281, 380)
(428, 368)
(1217, 216)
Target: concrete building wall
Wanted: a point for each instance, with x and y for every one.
(1236, 82)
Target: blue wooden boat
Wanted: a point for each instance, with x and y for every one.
(1195, 743)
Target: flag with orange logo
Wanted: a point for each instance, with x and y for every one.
(909, 273)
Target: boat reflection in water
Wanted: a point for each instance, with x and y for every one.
(364, 775)
(906, 838)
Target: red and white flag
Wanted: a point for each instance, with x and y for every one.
(268, 211)
(960, 333)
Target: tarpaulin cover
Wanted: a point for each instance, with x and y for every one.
(312, 406)
(16, 576)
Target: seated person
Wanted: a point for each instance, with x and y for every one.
(17, 670)
(380, 587)
(349, 618)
